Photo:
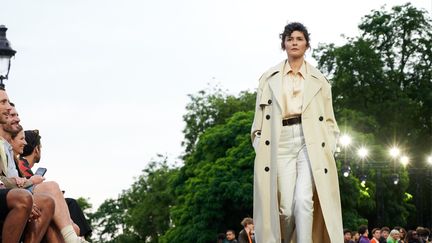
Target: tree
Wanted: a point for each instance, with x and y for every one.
(216, 183)
(211, 107)
(149, 201)
(141, 213)
(385, 75)
(109, 220)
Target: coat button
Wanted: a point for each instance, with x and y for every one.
(267, 142)
(266, 168)
(323, 144)
(269, 102)
(268, 117)
(258, 133)
(321, 118)
(325, 170)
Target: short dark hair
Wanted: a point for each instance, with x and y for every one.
(290, 28)
(375, 229)
(32, 138)
(347, 231)
(232, 231)
(385, 228)
(362, 229)
(246, 221)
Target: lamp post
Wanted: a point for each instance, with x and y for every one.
(6, 53)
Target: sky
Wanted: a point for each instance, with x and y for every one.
(106, 82)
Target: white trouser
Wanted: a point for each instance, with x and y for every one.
(295, 185)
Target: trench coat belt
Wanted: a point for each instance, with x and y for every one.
(291, 121)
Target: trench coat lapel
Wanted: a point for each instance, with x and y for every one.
(311, 87)
(275, 83)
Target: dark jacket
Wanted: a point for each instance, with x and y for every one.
(243, 237)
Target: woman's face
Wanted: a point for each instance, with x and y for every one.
(296, 44)
(18, 143)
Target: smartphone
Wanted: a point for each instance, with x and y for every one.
(41, 171)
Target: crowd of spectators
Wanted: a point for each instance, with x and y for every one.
(31, 209)
(386, 235)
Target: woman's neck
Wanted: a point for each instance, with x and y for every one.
(295, 63)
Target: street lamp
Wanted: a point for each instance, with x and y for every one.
(6, 53)
(404, 160)
(345, 140)
(362, 152)
(394, 152)
(429, 160)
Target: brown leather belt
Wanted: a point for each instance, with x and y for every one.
(291, 121)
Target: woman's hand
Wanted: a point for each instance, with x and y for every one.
(37, 179)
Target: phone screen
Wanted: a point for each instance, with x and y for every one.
(41, 171)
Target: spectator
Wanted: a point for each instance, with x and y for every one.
(393, 236)
(245, 235)
(355, 236)
(220, 238)
(363, 232)
(348, 236)
(230, 237)
(376, 234)
(402, 234)
(423, 234)
(385, 231)
(412, 237)
(31, 155)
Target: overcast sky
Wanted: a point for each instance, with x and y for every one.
(106, 82)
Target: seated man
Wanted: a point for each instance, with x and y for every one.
(32, 155)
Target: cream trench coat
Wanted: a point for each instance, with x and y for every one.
(320, 132)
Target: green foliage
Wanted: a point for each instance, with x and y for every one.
(141, 213)
(381, 82)
(148, 201)
(110, 220)
(211, 107)
(218, 183)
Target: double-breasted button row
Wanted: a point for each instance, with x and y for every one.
(269, 102)
(267, 142)
(321, 118)
(323, 144)
(266, 169)
(268, 117)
